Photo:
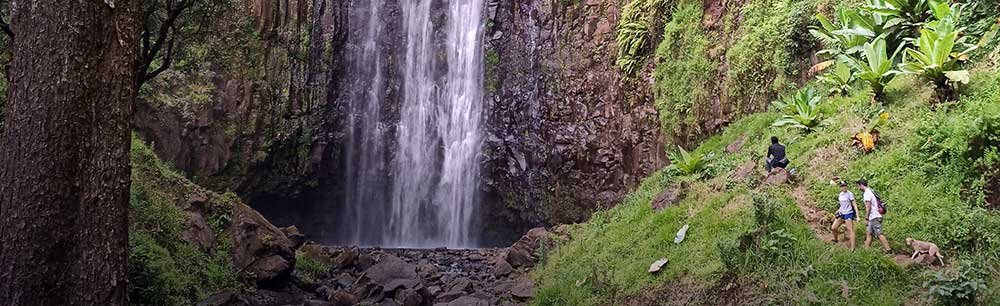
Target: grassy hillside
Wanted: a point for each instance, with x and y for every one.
(931, 166)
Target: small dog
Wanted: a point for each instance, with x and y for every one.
(924, 247)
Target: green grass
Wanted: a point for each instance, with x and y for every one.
(940, 200)
(309, 269)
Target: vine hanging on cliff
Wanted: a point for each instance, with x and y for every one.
(634, 29)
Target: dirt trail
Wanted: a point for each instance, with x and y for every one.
(820, 221)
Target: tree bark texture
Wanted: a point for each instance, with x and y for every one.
(64, 152)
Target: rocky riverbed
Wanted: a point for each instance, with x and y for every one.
(403, 277)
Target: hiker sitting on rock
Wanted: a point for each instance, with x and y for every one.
(776, 155)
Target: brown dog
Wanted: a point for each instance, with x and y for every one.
(924, 247)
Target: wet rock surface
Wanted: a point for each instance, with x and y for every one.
(413, 277)
(407, 277)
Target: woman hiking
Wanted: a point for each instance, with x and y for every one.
(846, 214)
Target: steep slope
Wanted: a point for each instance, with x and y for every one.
(750, 242)
(186, 242)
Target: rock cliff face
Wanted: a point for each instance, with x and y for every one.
(257, 119)
(566, 134)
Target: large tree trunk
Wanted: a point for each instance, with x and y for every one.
(64, 152)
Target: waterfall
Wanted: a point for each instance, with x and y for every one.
(365, 169)
(425, 193)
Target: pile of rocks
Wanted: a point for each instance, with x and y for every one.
(407, 277)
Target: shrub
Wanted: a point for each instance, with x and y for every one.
(634, 28)
(687, 163)
(800, 110)
(936, 58)
(875, 67)
(956, 286)
(309, 269)
(684, 72)
(839, 80)
(762, 60)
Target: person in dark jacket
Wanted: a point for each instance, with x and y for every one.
(776, 155)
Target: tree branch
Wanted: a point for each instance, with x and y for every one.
(3, 23)
(165, 35)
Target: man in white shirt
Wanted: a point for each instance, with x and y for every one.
(873, 216)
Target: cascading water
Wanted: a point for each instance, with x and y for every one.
(432, 178)
(365, 169)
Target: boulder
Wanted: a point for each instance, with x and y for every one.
(364, 262)
(778, 176)
(668, 197)
(523, 288)
(409, 297)
(198, 232)
(465, 301)
(346, 258)
(393, 273)
(502, 268)
(520, 254)
(259, 248)
(744, 171)
(317, 253)
(316, 303)
(736, 145)
(271, 267)
(294, 235)
(341, 298)
(224, 298)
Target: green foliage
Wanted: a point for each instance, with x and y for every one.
(164, 269)
(956, 286)
(684, 74)
(844, 36)
(764, 238)
(634, 28)
(800, 110)
(309, 269)
(876, 66)
(686, 163)
(909, 15)
(839, 79)
(936, 58)
(761, 61)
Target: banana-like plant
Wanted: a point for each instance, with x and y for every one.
(853, 29)
(868, 136)
(844, 36)
(800, 110)
(911, 14)
(687, 163)
(940, 52)
(876, 68)
(839, 79)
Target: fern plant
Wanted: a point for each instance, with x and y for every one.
(633, 33)
(936, 58)
(800, 110)
(687, 163)
(876, 67)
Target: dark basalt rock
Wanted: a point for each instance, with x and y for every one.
(668, 197)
